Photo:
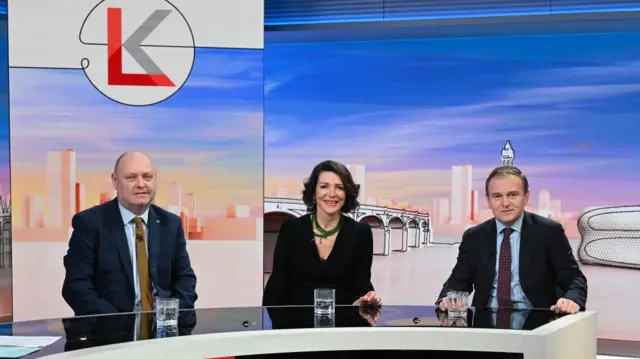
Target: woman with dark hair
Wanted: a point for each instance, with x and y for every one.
(324, 248)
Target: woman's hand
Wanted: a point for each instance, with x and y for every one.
(369, 299)
(370, 314)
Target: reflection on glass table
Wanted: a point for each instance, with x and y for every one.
(95, 331)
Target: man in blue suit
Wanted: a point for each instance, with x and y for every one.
(125, 252)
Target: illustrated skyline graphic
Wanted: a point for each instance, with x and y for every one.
(205, 141)
(418, 110)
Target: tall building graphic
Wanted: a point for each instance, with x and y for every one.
(175, 198)
(238, 211)
(441, 211)
(556, 207)
(358, 173)
(282, 192)
(474, 205)
(80, 197)
(33, 211)
(461, 187)
(107, 192)
(61, 188)
(189, 204)
(544, 203)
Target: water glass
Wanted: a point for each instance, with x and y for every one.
(167, 311)
(457, 303)
(324, 321)
(454, 321)
(166, 331)
(324, 301)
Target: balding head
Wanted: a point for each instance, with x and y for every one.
(134, 178)
(129, 154)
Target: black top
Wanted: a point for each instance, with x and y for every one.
(298, 268)
(96, 331)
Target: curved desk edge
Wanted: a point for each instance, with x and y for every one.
(579, 328)
(553, 341)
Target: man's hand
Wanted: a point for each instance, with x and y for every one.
(370, 298)
(443, 318)
(443, 305)
(565, 306)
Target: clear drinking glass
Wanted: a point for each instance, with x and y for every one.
(457, 303)
(324, 301)
(166, 331)
(324, 321)
(167, 311)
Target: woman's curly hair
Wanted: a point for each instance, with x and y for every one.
(350, 187)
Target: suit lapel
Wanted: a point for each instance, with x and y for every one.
(527, 243)
(116, 227)
(492, 245)
(153, 243)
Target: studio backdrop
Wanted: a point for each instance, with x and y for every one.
(74, 110)
(5, 180)
(421, 122)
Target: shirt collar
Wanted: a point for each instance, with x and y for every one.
(516, 226)
(128, 216)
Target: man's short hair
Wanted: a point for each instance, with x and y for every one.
(505, 171)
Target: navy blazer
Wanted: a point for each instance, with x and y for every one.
(548, 268)
(99, 271)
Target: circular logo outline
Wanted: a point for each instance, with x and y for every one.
(85, 62)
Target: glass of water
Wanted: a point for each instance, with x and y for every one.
(167, 311)
(324, 301)
(167, 331)
(324, 321)
(457, 303)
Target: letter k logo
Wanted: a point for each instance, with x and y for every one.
(153, 75)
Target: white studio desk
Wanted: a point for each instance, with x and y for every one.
(569, 337)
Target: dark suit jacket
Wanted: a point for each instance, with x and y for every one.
(546, 264)
(298, 270)
(99, 271)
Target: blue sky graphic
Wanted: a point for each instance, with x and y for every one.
(568, 103)
(216, 116)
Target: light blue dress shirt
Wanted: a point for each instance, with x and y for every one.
(519, 299)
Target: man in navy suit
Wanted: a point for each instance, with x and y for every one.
(125, 252)
(517, 259)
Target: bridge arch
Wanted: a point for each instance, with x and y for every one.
(397, 234)
(424, 231)
(413, 233)
(281, 211)
(272, 222)
(395, 222)
(372, 220)
(380, 233)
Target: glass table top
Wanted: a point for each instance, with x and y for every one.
(93, 331)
